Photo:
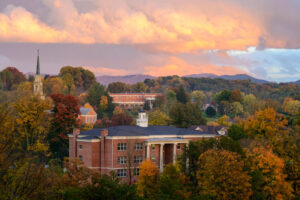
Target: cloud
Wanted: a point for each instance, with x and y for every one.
(107, 71)
(211, 25)
(177, 66)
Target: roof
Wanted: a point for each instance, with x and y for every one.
(131, 130)
(85, 111)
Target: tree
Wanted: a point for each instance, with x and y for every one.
(182, 96)
(158, 118)
(291, 106)
(186, 115)
(265, 124)
(236, 109)
(198, 98)
(117, 110)
(83, 79)
(172, 184)
(53, 85)
(210, 111)
(147, 185)
(236, 132)
(118, 87)
(268, 180)
(32, 122)
(235, 96)
(248, 103)
(121, 119)
(222, 174)
(103, 103)
(224, 120)
(223, 96)
(139, 87)
(11, 76)
(68, 83)
(65, 117)
(171, 98)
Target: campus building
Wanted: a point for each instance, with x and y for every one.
(129, 100)
(87, 115)
(121, 148)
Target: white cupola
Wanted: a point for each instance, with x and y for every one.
(142, 119)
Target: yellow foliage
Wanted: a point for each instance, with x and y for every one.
(221, 173)
(147, 184)
(224, 120)
(273, 180)
(87, 105)
(103, 103)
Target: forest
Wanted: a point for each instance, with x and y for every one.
(258, 159)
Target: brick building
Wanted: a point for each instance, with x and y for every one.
(121, 148)
(129, 100)
(87, 115)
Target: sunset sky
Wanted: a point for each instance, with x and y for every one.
(156, 37)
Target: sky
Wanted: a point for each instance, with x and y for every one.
(155, 37)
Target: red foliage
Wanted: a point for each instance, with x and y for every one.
(66, 110)
(121, 119)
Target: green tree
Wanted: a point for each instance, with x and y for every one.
(236, 132)
(182, 96)
(118, 87)
(68, 83)
(210, 111)
(198, 98)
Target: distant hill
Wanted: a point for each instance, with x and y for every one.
(229, 77)
(297, 82)
(129, 79)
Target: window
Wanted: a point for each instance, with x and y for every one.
(138, 146)
(122, 146)
(178, 146)
(80, 146)
(122, 160)
(80, 157)
(136, 172)
(153, 158)
(153, 146)
(122, 173)
(138, 159)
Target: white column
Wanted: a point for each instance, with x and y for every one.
(161, 165)
(148, 151)
(174, 152)
(187, 159)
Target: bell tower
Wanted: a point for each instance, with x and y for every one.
(38, 80)
(142, 119)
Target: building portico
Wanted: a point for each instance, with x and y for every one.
(168, 148)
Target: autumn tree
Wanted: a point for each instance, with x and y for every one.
(158, 118)
(65, 117)
(147, 185)
(222, 174)
(32, 120)
(198, 98)
(68, 82)
(121, 119)
(235, 96)
(291, 106)
(224, 120)
(53, 85)
(11, 76)
(265, 124)
(139, 87)
(118, 87)
(83, 78)
(268, 179)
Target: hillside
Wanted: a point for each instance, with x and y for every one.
(129, 79)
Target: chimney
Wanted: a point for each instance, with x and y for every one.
(142, 119)
(73, 143)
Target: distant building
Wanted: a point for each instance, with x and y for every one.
(87, 115)
(218, 130)
(129, 100)
(38, 80)
(120, 148)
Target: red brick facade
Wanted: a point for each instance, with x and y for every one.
(102, 153)
(128, 100)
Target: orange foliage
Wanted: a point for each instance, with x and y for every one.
(221, 173)
(271, 167)
(147, 184)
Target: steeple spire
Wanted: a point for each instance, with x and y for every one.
(38, 63)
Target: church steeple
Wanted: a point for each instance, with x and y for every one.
(38, 63)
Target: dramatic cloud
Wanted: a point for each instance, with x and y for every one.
(186, 27)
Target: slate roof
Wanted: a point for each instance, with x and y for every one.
(130, 130)
(85, 111)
